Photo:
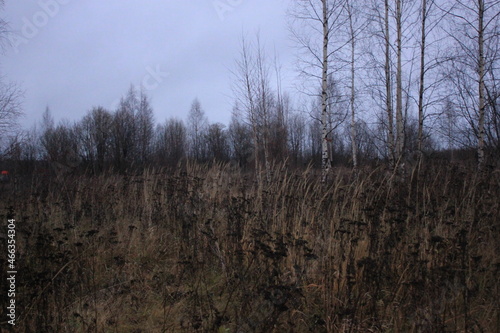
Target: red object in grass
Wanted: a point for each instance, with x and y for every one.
(4, 177)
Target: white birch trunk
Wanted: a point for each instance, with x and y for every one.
(388, 89)
(325, 156)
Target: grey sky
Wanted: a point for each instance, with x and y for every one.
(73, 54)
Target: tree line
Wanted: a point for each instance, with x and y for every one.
(392, 80)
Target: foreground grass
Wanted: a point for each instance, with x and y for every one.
(205, 249)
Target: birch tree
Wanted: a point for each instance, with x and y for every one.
(400, 135)
(388, 87)
(421, 83)
(430, 20)
(390, 80)
(264, 103)
(352, 33)
(255, 100)
(325, 157)
(321, 19)
(476, 35)
(244, 91)
(355, 27)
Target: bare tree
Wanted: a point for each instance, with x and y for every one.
(240, 137)
(448, 125)
(217, 142)
(337, 113)
(475, 31)
(318, 20)
(430, 61)
(421, 84)
(32, 150)
(325, 156)
(145, 127)
(87, 148)
(492, 122)
(297, 131)
(255, 100)
(95, 136)
(124, 131)
(279, 148)
(388, 87)
(379, 76)
(246, 104)
(4, 29)
(197, 124)
(390, 81)
(171, 142)
(352, 14)
(315, 139)
(265, 103)
(10, 107)
(132, 130)
(10, 93)
(400, 137)
(366, 145)
(60, 145)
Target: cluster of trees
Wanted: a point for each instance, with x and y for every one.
(427, 71)
(129, 138)
(388, 80)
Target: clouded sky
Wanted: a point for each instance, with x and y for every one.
(71, 55)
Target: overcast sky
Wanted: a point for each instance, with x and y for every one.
(71, 55)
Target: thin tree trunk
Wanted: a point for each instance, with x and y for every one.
(388, 88)
(267, 163)
(480, 145)
(400, 139)
(263, 85)
(325, 158)
(253, 121)
(422, 82)
(353, 109)
(246, 72)
(256, 153)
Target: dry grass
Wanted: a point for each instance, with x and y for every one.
(205, 249)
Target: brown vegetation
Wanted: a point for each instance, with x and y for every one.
(206, 249)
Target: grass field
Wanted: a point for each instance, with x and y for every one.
(207, 249)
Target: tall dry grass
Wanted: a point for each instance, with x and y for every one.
(207, 249)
